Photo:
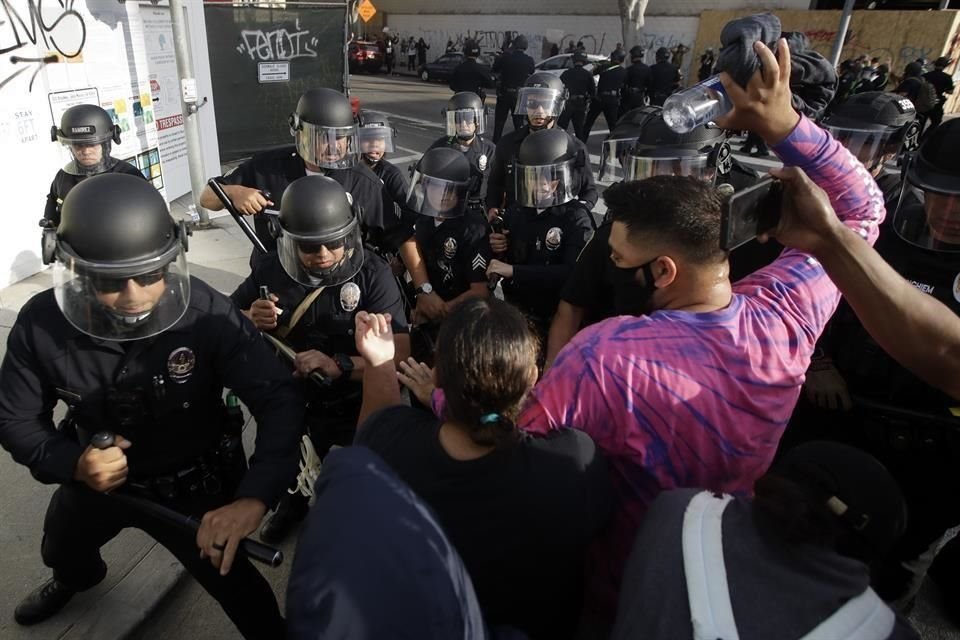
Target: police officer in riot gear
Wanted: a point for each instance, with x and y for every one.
(542, 100)
(544, 230)
(86, 132)
(664, 78)
(609, 85)
(465, 124)
(135, 346)
(636, 86)
(451, 235)
(469, 75)
(581, 89)
(514, 69)
(640, 146)
(319, 278)
(856, 392)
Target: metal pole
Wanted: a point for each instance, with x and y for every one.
(188, 104)
(841, 33)
(944, 4)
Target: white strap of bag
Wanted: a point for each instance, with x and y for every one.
(865, 617)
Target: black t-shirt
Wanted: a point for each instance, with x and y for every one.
(63, 182)
(456, 252)
(520, 517)
(272, 171)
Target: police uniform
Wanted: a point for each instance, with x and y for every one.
(272, 171)
(471, 76)
(328, 327)
(514, 69)
(63, 182)
(542, 248)
(664, 80)
(164, 394)
(480, 154)
(582, 89)
(456, 252)
(608, 97)
(501, 187)
(636, 86)
(395, 210)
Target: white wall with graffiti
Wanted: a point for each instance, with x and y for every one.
(599, 34)
(117, 55)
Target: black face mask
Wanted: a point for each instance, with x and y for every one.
(631, 297)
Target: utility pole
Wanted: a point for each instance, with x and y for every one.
(842, 32)
(188, 104)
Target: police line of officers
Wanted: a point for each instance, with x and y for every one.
(135, 346)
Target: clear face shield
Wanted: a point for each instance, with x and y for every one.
(613, 155)
(671, 163)
(436, 197)
(119, 302)
(928, 219)
(327, 147)
(465, 123)
(87, 158)
(872, 147)
(545, 186)
(539, 105)
(375, 141)
(322, 260)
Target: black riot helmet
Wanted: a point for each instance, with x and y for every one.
(942, 62)
(541, 99)
(471, 49)
(86, 131)
(120, 267)
(579, 57)
(621, 140)
(659, 150)
(928, 214)
(546, 169)
(318, 232)
(663, 54)
(519, 43)
(465, 115)
(875, 126)
(617, 57)
(324, 128)
(376, 136)
(636, 53)
(440, 184)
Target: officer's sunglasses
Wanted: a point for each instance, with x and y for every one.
(116, 285)
(316, 247)
(533, 104)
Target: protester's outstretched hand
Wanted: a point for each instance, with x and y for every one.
(764, 106)
(417, 377)
(374, 338)
(807, 219)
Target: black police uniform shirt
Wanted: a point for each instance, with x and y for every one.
(579, 83)
(866, 368)
(501, 183)
(542, 248)
(164, 393)
(636, 84)
(514, 69)
(273, 170)
(456, 252)
(521, 516)
(328, 325)
(471, 76)
(941, 81)
(479, 154)
(610, 82)
(394, 193)
(664, 78)
(63, 182)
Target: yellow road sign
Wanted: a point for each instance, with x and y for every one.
(366, 10)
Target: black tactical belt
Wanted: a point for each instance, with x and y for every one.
(609, 93)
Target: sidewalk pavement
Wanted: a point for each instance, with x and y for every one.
(141, 572)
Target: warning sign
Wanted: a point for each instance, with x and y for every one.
(366, 10)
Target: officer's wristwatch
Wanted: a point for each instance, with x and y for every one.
(344, 362)
(426, 288)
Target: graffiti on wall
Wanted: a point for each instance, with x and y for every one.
(39, 33)
(278, 44)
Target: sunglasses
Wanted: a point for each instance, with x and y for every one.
(315, 247)
(115, 285)
(533, 105)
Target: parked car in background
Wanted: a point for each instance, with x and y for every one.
(556, 65)
(364, 56)
(442, 68)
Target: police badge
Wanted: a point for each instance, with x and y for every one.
(554, 236)
(449, 248)
(349, 296)
(180, 364)
(482, 162)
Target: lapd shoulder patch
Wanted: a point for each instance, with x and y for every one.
(482, 162)
(349, 296)
(553, 239)
(449, 248)
(180, 364)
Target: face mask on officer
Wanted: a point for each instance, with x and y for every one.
(130, 300)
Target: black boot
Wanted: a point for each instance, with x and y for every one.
(43, 602)
(291, 510)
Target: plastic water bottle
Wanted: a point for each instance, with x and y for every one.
(686, 110)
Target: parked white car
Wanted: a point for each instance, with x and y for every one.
(556, 65)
